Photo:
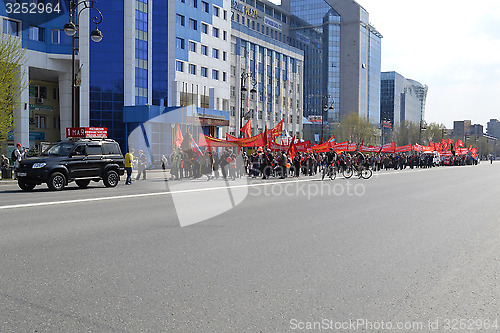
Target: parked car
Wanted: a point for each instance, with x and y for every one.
(82, 161)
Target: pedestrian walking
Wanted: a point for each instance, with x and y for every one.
(17, 156)
(129, 160)
(141, 165)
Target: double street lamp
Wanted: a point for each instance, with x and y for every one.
(71, 29)
(243, 89)
(327, 105)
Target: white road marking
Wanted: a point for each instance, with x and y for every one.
(63, 202)
(128, 196)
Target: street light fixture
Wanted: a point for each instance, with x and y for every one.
(327, 106)
(71, 29)
(243, 89)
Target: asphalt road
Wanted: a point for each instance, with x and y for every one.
(416, 248)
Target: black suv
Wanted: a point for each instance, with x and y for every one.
(80, 161)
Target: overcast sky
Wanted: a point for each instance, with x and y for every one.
(452, 46)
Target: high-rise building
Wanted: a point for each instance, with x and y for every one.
(45, 105)
(493, 128)
(401, 99)
(266, 72)
(343, 57)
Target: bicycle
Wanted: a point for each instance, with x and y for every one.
(329, 170)
(364, 173)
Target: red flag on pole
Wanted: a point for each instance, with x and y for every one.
(178, 137)
(292, 149)
(264, 137)
(247, 128)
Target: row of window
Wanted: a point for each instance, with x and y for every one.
(193, 47)
(194, 25)
(36, 91)
(216, 10)
(40, 121)
(193, 69)
(36, 33)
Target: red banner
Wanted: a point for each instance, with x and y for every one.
(402, 149)
(86, 132)
(302, 146)
(388, 148)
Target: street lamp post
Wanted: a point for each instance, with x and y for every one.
(71, 29)
(326, 105)
(243, 89)
(422, 128)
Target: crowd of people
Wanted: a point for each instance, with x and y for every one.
(266, 164)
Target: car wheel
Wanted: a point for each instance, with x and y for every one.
(83, 183)
(57, 181)
(111, 179)
(25, 186)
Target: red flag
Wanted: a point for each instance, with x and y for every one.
(332, 138)
(264, 137)
(460, 143)
(178, 137)
(292, 149)
(247, 128)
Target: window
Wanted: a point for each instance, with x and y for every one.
(10, 27)
(204, 6)
(224, 75)
(233, 70)
(204, 72)
(224, 34)
(41, 121)
(225, 15)
(56, 36)
(180, 43)
(36, 33)
(179, 66)
(55, 94)
(38, 91)
(194, 3)
(215, 53)
(192, 46)
(93, 150)
(109, 148)
(57, 122)
(204, 50)
(233, 91)
(193, 24)
(192, 69)
(215, 74)
(216, 32)
(224, 55)
(180, 19)
(216, 11)
(204, 28)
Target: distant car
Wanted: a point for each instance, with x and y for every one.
(81, 161)
(436, 157)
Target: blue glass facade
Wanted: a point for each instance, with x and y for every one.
(160, 53)
(107, 72)
(317, 32)
(40, 32)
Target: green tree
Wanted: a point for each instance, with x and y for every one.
(433, 133)
(12, 84)
(406, 133)
(356, 129)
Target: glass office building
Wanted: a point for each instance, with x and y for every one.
(349, 58)
(401, 99)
